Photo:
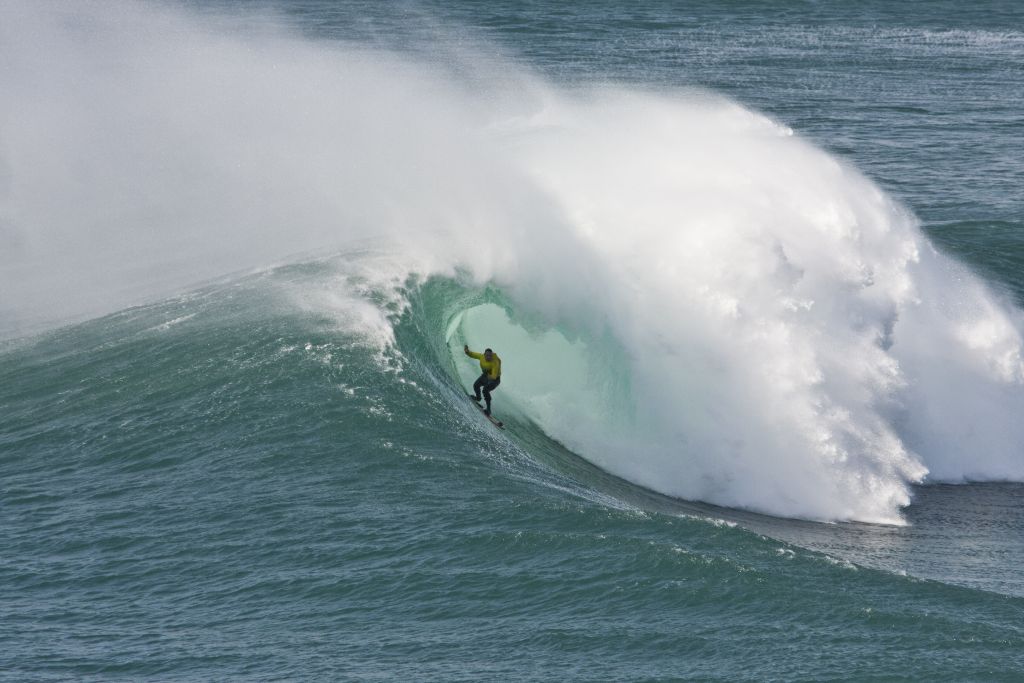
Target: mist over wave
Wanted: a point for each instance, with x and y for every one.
(696, 299)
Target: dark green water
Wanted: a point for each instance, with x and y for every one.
(276, 476)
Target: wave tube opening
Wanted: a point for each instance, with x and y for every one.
(560, 382)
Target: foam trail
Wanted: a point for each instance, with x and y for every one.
(761, 326)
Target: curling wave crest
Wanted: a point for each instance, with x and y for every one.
(739, 317)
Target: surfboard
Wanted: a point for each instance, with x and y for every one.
(494, 421)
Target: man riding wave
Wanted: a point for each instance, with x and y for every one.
(490, 378)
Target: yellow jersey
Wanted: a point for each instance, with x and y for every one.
(491, 367)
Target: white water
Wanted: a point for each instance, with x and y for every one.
(759, 325)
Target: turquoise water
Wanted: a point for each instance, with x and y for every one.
(274, 474)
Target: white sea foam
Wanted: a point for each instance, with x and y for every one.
(795, 345)
(704, 303)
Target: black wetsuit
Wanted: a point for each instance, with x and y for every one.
(488, 385)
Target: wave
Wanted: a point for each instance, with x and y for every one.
(684, 292)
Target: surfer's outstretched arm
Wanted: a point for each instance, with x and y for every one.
(471, 354)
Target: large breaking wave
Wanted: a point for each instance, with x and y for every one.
(690, 296)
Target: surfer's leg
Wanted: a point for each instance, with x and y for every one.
(490, 386)
(480, 381)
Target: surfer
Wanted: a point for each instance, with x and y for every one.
(489, 379)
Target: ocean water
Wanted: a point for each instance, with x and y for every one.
(754, 271)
